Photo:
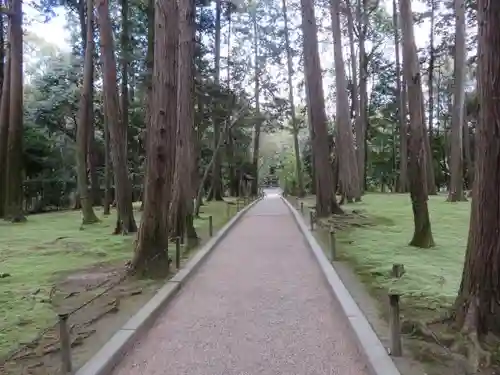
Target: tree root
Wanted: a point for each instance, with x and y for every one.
(477, 357)
(463, 348)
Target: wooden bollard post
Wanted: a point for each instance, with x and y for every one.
(311, 219)
(66, 365)
(394, 325)
(302, 208)
(238, 204)
(397, 270)
(178, 252)
(228, 207)
(210, 226)
(333, 246)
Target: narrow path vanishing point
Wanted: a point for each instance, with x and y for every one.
(258, 306)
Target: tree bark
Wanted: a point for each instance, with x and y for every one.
(149, 75)
(258, 123)
(431, 179)
(469, 165)
(349, 177)
(233, 191)
(125, 222)
(402, 185)
(82, 132)
(354, 65)
(152, 243)
(326, 202)
(182, 210)
(295, 126)
(4, 127)
(2, 52)
(14, 180)
(107, 168)
(418, 189)
(456, 168)
(477, 304)
(216, 192)
(362, 125)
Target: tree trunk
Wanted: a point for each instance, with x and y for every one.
(14, 180)
(152, 241)
(181, 214)
(258, 123)
(233, 191)
(456, 168)
(362, 124)
(326, 202)
(125, 222)
(347, 162)
(2, 52)
(354, 66)
(402, 185)
(469, 166)
(431, 180)
(417, 176)
(124, 39)
(216, 193)
(4, 128)
(431, 70)
(477, 305)
(82, 132)
(295, 126)
(107, 168)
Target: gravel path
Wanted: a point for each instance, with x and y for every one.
(258, 306)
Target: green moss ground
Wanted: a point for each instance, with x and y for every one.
(432, 275)
(36, 253)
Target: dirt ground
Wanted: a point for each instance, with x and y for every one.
(109, 300)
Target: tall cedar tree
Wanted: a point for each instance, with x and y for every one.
(182, 207)
(402, 185)
(326, 202)
(457, 118)
(14, 180)
(346, 155)
(478, 306)
(422, 236)
(125, 222)
(295, 124)
(82, 132)
(216, 190)
(152, 243)
(4, 128)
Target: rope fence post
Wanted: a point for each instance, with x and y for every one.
(66, 365)
(228, 207)
(333, 246)
(302, 208)
(178, 253)
(394, 324)
(397, 270)
(311, 219)
(394, 314)
(210, 226)
(238, 204)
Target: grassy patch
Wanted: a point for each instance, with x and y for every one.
(35, 255)
(432, 275)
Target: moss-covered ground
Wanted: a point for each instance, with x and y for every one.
(380, 238)
(35, 255)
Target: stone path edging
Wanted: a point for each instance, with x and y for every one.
(103, 362)
(377, 358)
